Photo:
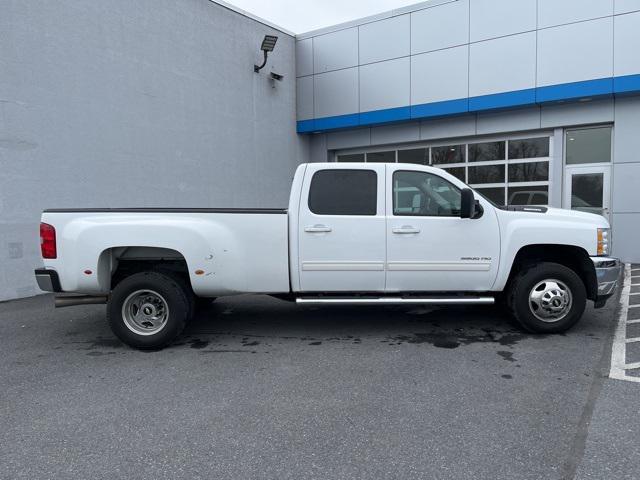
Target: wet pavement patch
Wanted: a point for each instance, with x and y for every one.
(198, 344)
(462, 337)
(508, 356)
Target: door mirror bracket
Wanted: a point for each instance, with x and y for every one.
(479, 210)
(467, 203)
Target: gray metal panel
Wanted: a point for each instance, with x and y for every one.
(625, 235)
(496, 18)
(600, 111)
(100, 112)
(625, 6)
(318, 148)
(448, 127)
(359, 137)
(580, 51)
(440, 75)
(404, 132)
(385, 39)
(556, 169)
(440, 27)
(626, 147)
(304, 98)
(304, 57)
(336, 93)
(508, 121)
(625, 194)
(384, 84)
(503, 64)
(335, 50)
(626, 57)
(554, 12)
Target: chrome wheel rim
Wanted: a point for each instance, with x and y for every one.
(145, 312)
(550, 300)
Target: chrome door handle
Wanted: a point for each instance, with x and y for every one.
(317, 229)
(405, 229)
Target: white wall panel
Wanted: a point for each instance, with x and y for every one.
(625, 237)
(304, 98)
(580, 51)
(625, 192)
(335, 50)
(359, 137)
(599, 111)
(508, 121)
(440, 75)
(625, 6)
(496, 18)
(403, 132)
(336, 93)
(626, 58)
(440, 27)
(385, 39)
(626, 139)
(304, 57)
(448, 127)
(503, 64)
(558, 12)
(384, 85)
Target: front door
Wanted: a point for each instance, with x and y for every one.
(341, 234)
(586, 188)
(429, 247)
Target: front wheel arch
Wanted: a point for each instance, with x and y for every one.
(570, 256)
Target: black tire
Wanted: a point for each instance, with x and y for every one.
(522, 308)
(164, 287)
(186, 288)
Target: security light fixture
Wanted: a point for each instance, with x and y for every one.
(267, 46)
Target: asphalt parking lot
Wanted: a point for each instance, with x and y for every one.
(260, 388)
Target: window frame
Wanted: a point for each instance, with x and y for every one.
(393, 197)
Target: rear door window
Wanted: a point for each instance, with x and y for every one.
(343, 192)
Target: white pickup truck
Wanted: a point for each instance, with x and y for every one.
(354, 233)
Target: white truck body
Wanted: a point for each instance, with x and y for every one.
(409, 238)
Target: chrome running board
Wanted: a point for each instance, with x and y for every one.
(397, 300)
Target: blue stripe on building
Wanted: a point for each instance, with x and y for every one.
(601, 87)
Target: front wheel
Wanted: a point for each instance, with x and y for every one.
(547, 298)
(148, 310)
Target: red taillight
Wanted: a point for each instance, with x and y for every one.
(48, 241)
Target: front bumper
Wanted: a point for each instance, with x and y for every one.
(48, 280)
(607, 274)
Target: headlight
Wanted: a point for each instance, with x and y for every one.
(604, 241)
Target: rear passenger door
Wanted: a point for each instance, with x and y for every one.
(341, 236)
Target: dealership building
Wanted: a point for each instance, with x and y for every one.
(156, 103)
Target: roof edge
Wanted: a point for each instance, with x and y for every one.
(253, 17)
(373, 18)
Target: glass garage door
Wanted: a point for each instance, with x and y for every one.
(508, 171)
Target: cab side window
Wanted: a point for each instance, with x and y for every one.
(343, 192)
(424, 194)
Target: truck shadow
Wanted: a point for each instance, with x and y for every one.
(254, 322)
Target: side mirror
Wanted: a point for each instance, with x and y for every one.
(467, 203)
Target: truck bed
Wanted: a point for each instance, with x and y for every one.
(226, 250)
(273, 211)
